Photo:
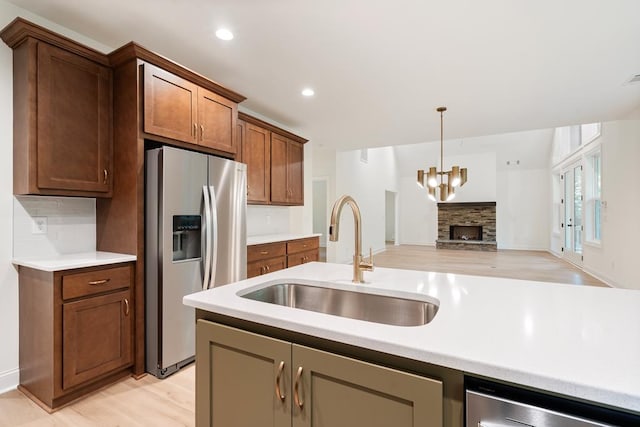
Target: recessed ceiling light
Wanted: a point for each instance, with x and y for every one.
(308, 92)
(224, 34)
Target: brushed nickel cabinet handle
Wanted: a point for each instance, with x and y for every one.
(201, 132)
(296, 396)
(195, 130)
(280, 395)
(99, 282)
(126, 307)
(264, 252)
(106, 176)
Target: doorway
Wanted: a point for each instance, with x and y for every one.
(320, 208)
(390, 217)
(572, 218)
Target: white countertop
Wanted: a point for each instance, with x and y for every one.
(70, 261)
(573, 340)
(271, 238)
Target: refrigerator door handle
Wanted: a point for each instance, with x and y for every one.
(213, 234)
(205, 262)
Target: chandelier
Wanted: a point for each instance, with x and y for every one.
(456, 177)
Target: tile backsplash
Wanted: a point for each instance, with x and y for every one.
(48, 226)
(263, 220)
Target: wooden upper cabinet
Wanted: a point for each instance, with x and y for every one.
(295, 172)
(170, 104)
(257, 155)
(217, 117)
(275, 162)
(287, 158)
(62, 122)
(177, 109)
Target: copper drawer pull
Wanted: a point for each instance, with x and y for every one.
(280, 395)
(296, 397)
(99, 282)
(264, 252)
(126, 307)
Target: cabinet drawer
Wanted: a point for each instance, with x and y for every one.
(94, 282)
(302, 257)
(301, 245)
(265, 251)
(261, 267)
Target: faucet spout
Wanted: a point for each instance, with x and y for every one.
(358, 262)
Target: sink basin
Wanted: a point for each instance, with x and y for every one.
(390, 310)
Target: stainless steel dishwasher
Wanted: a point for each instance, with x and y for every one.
(490, 404)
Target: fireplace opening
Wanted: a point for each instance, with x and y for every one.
(465, 232)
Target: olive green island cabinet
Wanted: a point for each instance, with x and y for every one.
(248, 379)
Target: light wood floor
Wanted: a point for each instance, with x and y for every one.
(171, 402)
(526, 265)
(145, 402)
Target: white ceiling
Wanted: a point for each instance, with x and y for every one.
(381, 67)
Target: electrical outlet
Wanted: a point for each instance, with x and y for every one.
(39, 225)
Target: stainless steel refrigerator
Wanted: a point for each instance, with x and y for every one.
(195, 225)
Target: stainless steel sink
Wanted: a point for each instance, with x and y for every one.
(390, 310)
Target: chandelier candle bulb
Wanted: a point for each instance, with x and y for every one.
(432, 177)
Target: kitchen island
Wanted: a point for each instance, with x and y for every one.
(579, 342)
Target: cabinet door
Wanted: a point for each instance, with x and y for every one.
(240, 130)
(216, 121)
(295, 172)
(243, 379)
(258, 268)
(279, 186)
(170, 104)
(302, 258)
(256, 154)
(335, 391)
(74, 120)
(96, 337)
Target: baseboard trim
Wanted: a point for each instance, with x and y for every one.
(9, 380)
(603, 278)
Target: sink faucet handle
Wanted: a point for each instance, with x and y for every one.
(367, 266)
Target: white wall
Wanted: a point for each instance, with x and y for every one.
(366, 183)
(522, 209)
(616, 259)
(8, 273)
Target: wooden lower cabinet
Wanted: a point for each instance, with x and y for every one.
(96, 337)
(76, 331)
(246, 379)
(269, 257)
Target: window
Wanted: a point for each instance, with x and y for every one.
(589, 132)
(594, 197)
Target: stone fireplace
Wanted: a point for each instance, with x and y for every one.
(470, 226)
